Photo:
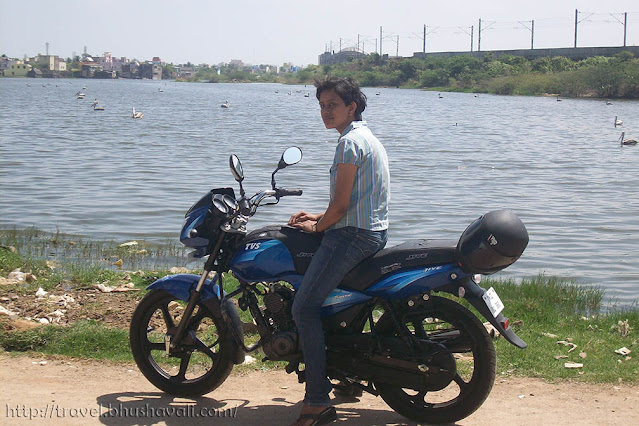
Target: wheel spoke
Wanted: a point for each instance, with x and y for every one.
(168, 320)
(157, 346)
(184, 364)
(201, 346)
(419, 399)
(463, 385)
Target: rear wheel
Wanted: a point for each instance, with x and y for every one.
(444, 322)
(198, 364)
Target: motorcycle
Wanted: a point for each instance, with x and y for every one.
(393, 326)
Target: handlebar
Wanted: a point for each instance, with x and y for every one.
(286, 192)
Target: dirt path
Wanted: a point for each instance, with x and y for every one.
(62, 392)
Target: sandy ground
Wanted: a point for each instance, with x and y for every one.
(63, 392)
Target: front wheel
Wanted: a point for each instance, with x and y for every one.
(198, 364)
(444, 322)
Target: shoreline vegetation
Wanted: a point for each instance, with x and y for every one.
(61, 296)
(595, 77)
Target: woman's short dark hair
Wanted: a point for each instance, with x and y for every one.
(347, 89)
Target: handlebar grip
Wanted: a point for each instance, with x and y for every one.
(286, 192)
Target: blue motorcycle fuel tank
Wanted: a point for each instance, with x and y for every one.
(274, 253)
(262, 260)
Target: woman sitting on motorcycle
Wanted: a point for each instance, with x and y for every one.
(355, 227)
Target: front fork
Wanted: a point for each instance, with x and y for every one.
(170, 342)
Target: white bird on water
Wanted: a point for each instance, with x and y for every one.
(627, 142)
(226, 104)
(137, 114)
(618, 122)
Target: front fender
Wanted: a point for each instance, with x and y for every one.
(474, 295)
(181, 286)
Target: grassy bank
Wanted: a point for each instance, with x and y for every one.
(562, 322)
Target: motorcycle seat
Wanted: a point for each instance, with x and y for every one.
(411, 254)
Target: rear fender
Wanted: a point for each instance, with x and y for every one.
(474, 295)
(181, 286)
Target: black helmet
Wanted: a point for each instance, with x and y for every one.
(492, 242)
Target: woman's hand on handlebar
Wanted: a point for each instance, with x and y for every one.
(300, 217)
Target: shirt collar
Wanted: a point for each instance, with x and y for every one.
(353, 125)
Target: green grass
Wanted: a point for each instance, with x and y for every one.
(546, 306)
(539, 308)
(83, 339)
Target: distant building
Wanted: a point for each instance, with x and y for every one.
(89, 69)
(5, 63)
(130, 70)
(185, 72)
(150, 70)
(49, 62)
(346, 55)
(18, 69)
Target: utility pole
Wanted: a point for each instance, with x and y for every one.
(470, 34)
(625, 25)
(397, 54)
(576, 22)
(472, 29)
(424, 48)
(358, 42)
(532, 35)
(47, 47)
(340, 44)
(380, 40)
(532, 31)
(479, 37)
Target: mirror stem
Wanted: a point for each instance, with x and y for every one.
(273, 179)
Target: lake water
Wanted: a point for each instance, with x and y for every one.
(104, 175)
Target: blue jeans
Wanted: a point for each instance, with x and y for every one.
(340, 251)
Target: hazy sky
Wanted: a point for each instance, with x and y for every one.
(297, 31)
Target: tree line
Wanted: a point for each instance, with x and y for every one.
(604, 77)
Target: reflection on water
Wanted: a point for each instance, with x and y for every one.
(102, 174)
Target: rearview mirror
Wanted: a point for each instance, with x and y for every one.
(292, 155)
(236, 168)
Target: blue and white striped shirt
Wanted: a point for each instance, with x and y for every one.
(368, 207)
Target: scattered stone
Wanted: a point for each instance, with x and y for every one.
(16, 275)
(43, 321)
(176, 270)
(7, 312)
(56, 315)
(568, 343)
(139, 273)
(129, 244)
(573, 365)
(623, 351)
(41, 293)
(63, 300)
(622, 327)
(249, 359)
(552, 336)
(582, 355)
(561, 356)
(104, 288)
(522, 396)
